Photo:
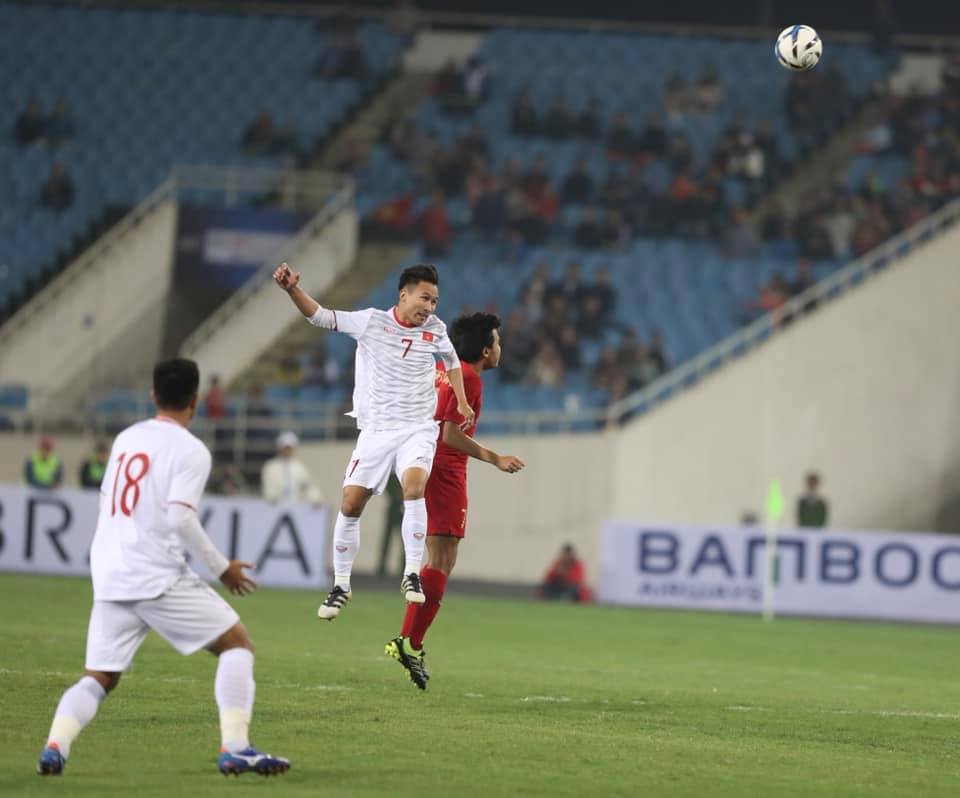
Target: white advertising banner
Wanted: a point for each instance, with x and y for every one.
(50, 532)
(884, 575)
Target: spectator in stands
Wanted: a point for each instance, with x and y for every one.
(489, 211)
(523, 347)
(434, 223)
(605, 369)
(771, 296)
(592, 322)
(258, 135)
(344, 59)
(558, 121)
(707, 95)
(565, 578)
(569, 287)
(587, 123)
(839, 223)
(677, 96)
(43, 469)
(578, 185)
(214, 404)
(765, 139)
(285, 478)
(557, 311)
(613, 230)
(620, 139)
(588, 233)
(601, 287)
(569, 348)
(653, 141)
(813, 510)
(523, 116)
(60, 124)
(227, 480)
(94, 467)
(657, 353)
(546, 370)
(31, 124)
(58, 191)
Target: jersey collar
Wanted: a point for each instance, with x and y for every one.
(400, 321)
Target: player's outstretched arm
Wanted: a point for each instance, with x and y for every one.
(455, 438)
(186, 524)
(455, 378)
(289, 281)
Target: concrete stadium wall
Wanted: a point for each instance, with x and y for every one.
(867, 392)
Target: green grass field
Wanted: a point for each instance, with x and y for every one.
(526, 699)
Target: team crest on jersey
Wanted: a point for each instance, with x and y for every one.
(427, 336)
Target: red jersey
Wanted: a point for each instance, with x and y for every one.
(447, 458)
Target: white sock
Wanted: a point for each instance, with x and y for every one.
(414, 530)
(346, 544)
(234, 689)
(75, 710)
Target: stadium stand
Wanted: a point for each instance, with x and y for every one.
(141, 91)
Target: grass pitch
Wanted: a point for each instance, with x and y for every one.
(526, 699)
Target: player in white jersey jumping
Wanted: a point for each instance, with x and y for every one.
(148, 514)
(394, 401)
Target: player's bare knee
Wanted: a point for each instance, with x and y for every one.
(107, 680)
(353, 501)
(235, 637)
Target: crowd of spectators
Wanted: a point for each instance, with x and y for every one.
(552, 319)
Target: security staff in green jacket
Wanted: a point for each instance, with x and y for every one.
(93, 468)
(43, 468)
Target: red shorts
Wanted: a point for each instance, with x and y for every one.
(446, 497)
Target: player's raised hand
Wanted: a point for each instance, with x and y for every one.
(286, 277)
(509, 463)
(468, 415)
(235, 580)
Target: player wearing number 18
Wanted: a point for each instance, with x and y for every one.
(149, 495)
(394, 400)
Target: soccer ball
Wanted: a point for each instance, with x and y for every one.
(798, 48)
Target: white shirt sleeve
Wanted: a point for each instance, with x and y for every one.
(446, 351)
(190, 478)
(183, 520)
(351, 322)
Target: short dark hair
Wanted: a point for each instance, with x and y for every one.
(175, 383)
(470, 334)
(421, 273)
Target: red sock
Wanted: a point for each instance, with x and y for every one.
(433, 582)
(409, 619)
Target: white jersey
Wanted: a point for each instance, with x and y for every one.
(395, 383)
(135, 554)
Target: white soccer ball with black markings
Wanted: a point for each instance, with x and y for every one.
(799, 48)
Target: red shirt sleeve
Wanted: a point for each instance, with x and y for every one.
(447, 404)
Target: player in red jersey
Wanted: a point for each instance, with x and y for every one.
(477, 340)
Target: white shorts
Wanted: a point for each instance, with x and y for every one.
(189, 616)
(377, 453)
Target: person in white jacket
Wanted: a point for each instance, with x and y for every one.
(285, 478)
